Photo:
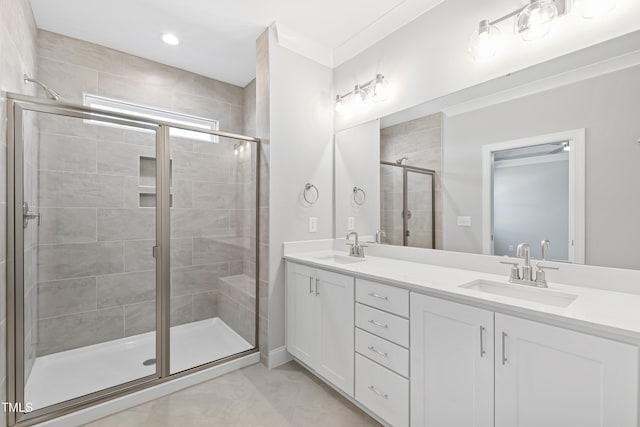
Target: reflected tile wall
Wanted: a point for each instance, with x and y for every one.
(95, 262)
(421, 141)
(18, 56)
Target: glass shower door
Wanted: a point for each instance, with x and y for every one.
(213, 247)
(420, 211)
(391, 203)
(85, 233)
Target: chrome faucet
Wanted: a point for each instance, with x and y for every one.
(380, 234)
(356, 249)
(524, 251)
(544, 248)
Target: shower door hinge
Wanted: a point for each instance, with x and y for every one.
(156, 251)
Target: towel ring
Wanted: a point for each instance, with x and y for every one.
(310, 188)
(359, 196)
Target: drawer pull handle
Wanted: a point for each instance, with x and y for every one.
(378, 392)
(482, 352)
(379, 325)
(373, 294)
(381, 353)
(310, 284)
(504, 351)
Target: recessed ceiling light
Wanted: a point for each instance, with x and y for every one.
(170, 39)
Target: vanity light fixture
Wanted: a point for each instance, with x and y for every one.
(363, 95)
(170, 39)
(532, 22)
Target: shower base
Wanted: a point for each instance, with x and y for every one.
(74, 373)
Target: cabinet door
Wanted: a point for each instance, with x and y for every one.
(336, 335)
(553, 377)
(301, 313)
(451, 364)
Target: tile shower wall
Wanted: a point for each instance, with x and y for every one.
(419, 140)
(18, 56)
(96, 270)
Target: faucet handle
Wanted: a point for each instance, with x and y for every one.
(541, 278)
(515, 270)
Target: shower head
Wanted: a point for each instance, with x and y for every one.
(401, 160)
(52, 94)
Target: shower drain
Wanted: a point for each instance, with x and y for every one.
(149, 362)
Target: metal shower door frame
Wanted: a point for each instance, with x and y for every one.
(16, 107)
(405, 199)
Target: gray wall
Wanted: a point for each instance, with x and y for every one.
(607, 106)
(212, 216)
(519, 216)
(356, 164)
(421, 141)
(299, 127)
(18, 56)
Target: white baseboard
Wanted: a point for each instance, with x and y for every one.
(278, 357)
(134, 399)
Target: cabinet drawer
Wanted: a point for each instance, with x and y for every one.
(382, 351)
(385, 297)
(382, 324)
(382, 391)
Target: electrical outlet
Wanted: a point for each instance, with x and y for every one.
(351, 223)
(313, 224)
(464, 221)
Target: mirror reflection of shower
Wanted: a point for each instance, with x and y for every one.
(402, 161)
(50, 93)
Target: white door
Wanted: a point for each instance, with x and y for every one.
(301, 313)
(553, 377)
(451, 364)
(336, 333)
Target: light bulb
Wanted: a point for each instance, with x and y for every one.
(241, 148)
(235, 150)
(535, 20)
(357, 99)
(486, 42)
(566, 147)
(170, 39)
(340, 107)
(597, 8)
(380, 89)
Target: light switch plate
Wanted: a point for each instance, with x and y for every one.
(464, 221)
(313, 224)
(351, 223)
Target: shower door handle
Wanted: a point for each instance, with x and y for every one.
(28, 215)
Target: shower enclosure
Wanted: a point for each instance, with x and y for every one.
(132, 253)
(407, 208)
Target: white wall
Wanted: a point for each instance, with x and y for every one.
(301, 151)
(428, 58)
(607, 107)
(357, 163)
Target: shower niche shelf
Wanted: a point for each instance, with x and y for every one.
(147, 181)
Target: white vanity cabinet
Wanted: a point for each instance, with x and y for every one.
(553, 377)
(451, 364)
(544, 375)
(320, 322)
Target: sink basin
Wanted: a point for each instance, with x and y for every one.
(341, 259)
(539, 295)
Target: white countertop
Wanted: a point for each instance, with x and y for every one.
(612, 314)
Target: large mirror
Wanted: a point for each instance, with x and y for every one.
(556, 162)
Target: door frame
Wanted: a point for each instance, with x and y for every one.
(577, 187)
(16, 106)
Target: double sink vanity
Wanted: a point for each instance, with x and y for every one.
(420, 344)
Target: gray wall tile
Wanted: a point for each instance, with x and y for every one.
(126, 224)
(62, 333)
(67, 153)
(62, 189)
(67, 261)
(67, 225)
(66, 297)
(127, 288)
(195, 279)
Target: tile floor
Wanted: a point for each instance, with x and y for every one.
(253, 396)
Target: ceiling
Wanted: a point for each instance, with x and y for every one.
(218, 37)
